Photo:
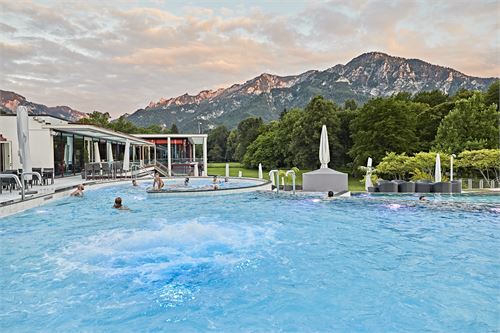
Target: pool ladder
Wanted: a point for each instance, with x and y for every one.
(275, 173)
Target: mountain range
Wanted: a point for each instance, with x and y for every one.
(8, 104)
(366, 76)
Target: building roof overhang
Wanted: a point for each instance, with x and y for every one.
(99, 133)
(193, 138)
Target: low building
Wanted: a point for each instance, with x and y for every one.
(65, 147)
(178, 153)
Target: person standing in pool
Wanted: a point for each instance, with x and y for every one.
(134, 182)
(118, 204)
(158, 182)
(78, 192)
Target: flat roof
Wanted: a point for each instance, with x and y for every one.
(193, 138)
(99, 132)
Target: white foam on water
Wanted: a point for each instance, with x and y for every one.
(394, 206)
(149, 255)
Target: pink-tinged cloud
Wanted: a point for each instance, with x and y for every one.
(116, 57)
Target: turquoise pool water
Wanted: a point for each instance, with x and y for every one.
(177, 184)
(251, 263)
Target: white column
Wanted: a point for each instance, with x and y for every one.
(133, 153)
(194, 152)
(154, 152)
(169, 152)
(205, 162)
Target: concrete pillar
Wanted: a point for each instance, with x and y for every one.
(194, 153)
(205, 161)
(492, 184)
(469, 184)
(169, 157)
(481, 184)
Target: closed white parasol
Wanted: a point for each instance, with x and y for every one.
(324, 149)
(23, 137)
(368, 177)
(97, 154)
(437, 170)
(126, 156)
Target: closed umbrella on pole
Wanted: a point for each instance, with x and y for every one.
(227, 169)
(109, 152)
(324, 149)
(23, 138)
(437, 170)
(126, 156)
(97, 155)
(368, 177)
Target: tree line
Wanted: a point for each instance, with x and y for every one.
(125, 126)
(402, 123)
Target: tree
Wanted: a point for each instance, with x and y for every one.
(431, 98)
(492, 94)
(422, 164)
(471, 125)
(265, 149)
(216, 142)
(346, 116)
(231, 144)
(174, 129)
(485, 161)
(305, 138)
(350, 104)
(393, 165)
(428, 120)
(248, 130)
(384, 125)
(97, 118)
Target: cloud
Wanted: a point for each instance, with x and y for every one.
(93, 55)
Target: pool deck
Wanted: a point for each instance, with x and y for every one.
(11, 203)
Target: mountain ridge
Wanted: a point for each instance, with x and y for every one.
(9, 100)
(368, 75)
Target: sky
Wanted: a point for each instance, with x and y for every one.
(117, 56)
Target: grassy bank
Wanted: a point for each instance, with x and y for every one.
(234, 168)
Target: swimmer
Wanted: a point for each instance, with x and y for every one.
(216, 187)
(78, 192)
(186, 181)
(226, 180)
(134, 182)
(118, 204)
(422, 198)
(158, 182)
(214, 180)
(330, 194)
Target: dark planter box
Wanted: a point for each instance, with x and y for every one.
(406, 187)
(442, 187)
(423, 187)
(388, 187)
(456, 186)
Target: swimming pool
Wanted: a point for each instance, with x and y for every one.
(202, 184)
(251, 262)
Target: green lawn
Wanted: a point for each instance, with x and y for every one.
(220, 170)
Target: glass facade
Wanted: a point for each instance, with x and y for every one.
(72, 151)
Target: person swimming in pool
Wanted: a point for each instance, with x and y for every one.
(186, 181)
(134, 182)
(118, 204)
(422, 198)
(78, 192)
(158, 182)
(214, 180)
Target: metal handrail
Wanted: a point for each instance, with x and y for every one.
(22, 181)
(11, 175)
(271, 173)
(293, 179)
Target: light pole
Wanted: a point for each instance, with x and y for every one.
(451, 166)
